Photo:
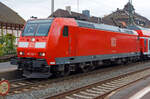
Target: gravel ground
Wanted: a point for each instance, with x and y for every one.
(60, 87)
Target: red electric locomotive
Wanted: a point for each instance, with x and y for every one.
(61, 45)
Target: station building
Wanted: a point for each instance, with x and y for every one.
(10, 21)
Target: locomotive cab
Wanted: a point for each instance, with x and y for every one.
(31, 48)
(33, 40)
(40, 42)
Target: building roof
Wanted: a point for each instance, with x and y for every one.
(118, 18)
(122, 15)
(65, 13)
(7, 15)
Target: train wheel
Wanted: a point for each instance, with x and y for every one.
(65, 72)
(19, 68)
(85, 68)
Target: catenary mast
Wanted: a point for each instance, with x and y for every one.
(52, 6)
(131, 12)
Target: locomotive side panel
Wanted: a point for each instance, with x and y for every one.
(97, 42)
(92, 44)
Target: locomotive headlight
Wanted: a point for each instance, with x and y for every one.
(42, 54)
(21, 53)
(33, 39)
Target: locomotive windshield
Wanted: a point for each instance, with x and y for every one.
(37, 28)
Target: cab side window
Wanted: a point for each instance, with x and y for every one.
(145, 42)
(65, 31)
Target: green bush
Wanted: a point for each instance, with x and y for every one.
(9, 41)
(1, 45)
(1, 50)
(7, 44)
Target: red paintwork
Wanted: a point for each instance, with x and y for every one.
(81, 42)
(86, 42)
(144, 34)
(57, 45)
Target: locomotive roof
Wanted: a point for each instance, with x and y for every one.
(135, 27)
(40, 20)
(104, 27)
(96, 26)
(145, 31)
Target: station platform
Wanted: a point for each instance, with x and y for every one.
(137, 90)
(9, 72)
(6, 66)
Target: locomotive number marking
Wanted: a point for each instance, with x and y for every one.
(31, 54)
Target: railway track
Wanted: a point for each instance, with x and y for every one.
(23, 85)
(101, 89)
(26, 85)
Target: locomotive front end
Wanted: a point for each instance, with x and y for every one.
(32, 49)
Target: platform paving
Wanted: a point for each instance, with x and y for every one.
(137, 90)
(6, 66)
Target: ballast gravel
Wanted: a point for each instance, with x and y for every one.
(60, 87)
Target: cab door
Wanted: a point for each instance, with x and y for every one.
(69, 35)
(65, 42)
(73, 32)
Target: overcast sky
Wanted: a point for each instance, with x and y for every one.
(42, 8)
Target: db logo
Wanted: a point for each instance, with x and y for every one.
(113, 42)
(31, 44)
